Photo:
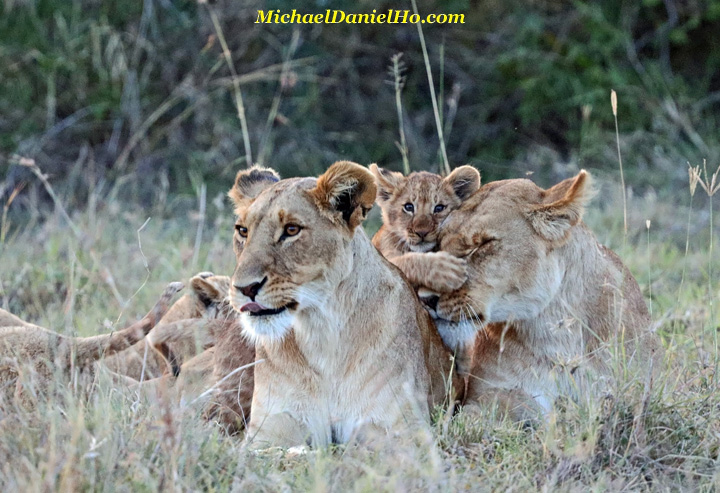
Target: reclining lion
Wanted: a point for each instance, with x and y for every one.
(187, 329)
(545, 305)
(343, 344)
(30, 356)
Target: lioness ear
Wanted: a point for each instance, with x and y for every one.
(205, 291)
(346, 190)
(248, 185)
(210, 289)
(464, 181)
(387, 182)
(562, 207)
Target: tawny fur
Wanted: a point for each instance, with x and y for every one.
(40, 354)
(200, 338)
(351, 349)
(408, 237)
(555, 312)
(186, 329)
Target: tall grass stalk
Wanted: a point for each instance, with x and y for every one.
(649, 267)
(711, 185)
(436, 111)
(613, 102)
(264, 143)
(236, 83)
(692, 177)
(397, 70)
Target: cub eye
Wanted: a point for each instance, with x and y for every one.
(291, 230)
(409, 207)
(439, 208)
(242, 230)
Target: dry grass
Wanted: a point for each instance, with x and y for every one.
(113, 442)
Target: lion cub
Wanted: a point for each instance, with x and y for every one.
(413, 207)
(546, 308)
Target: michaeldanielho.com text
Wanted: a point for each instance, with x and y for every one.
(341, 17)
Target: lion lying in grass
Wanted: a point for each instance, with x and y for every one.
(545, 305)
(343, 345)
(31, 356)
(184, 331)
(200, 340)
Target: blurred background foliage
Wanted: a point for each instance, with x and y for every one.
(137, 95)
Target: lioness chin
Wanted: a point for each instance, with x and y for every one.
(343, 345)
(546, 309)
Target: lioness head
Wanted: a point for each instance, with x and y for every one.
(510, 232)
(292, 242)
(415, 205)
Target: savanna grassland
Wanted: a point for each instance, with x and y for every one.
(120, 134)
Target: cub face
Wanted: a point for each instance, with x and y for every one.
(509, 233)
(292, 242)
(414, 206)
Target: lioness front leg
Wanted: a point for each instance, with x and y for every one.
(438, 271)
(276, 430)
(516, 404)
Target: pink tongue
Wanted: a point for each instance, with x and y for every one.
(252, 307)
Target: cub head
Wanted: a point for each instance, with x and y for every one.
(292, 242)
(413, 206)
(510, 232)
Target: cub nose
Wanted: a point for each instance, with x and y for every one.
(251, 290)
(430, 300)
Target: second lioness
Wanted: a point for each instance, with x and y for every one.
(343, 345)
(546, 309)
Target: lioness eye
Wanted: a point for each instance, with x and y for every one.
(486, 241)
(292, 229)
(242, 230)
(409, 207)
(439, 208)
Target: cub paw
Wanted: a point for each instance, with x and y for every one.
(447, 272)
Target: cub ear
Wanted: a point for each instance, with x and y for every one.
(248, 185)
(347, 191)
(464, 181)
(210, 289)
(387, 182)
(562, 207)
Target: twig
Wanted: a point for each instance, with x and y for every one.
(30, 163)
(223, 379)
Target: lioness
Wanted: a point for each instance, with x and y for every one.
(343, 345)
(413, 207)
(42, 352)
(185, 330)
(548, 303)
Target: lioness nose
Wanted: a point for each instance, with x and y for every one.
(431, 301)
(251, 290)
